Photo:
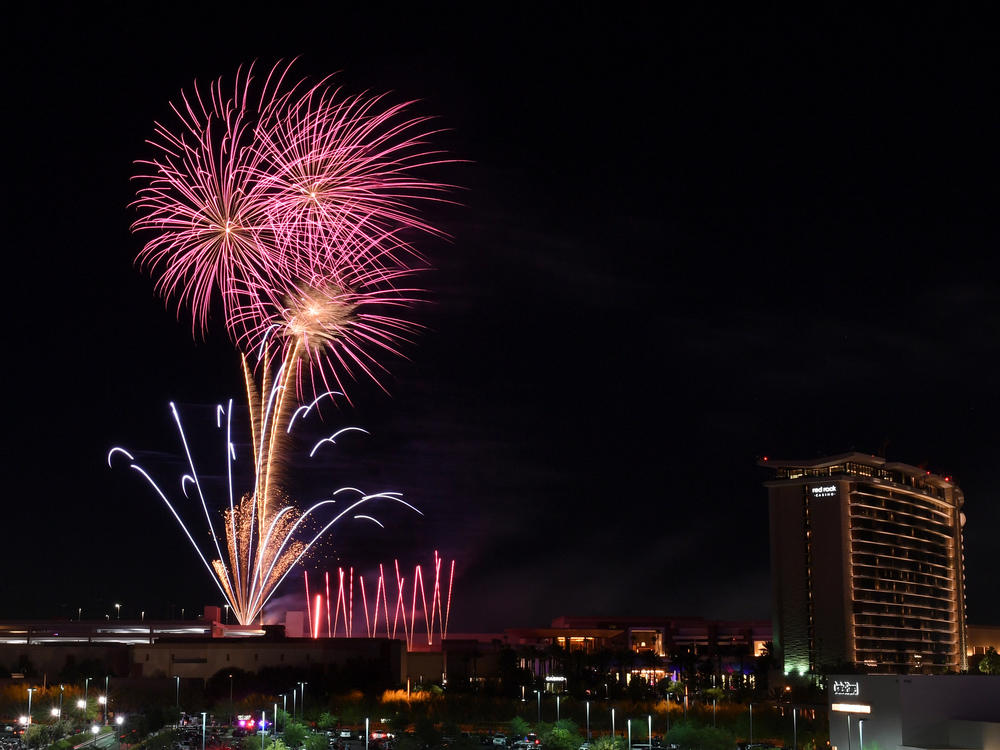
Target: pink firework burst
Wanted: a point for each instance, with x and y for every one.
(339, 173)
(283, 198)
(203, 201)
(330, 325)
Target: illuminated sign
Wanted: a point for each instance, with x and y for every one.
(824, 490)
(851, 708)
(554, 678)
(846, 688)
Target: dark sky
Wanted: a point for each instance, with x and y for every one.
(684, 242)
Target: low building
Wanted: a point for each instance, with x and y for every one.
(914, 712)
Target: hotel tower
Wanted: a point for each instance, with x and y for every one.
(866, 566)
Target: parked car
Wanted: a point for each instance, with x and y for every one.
(500, 739)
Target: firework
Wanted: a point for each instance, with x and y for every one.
(263, 540)
(286, 204)
(279, 191)
(378, 613)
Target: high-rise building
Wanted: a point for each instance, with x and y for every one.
(866, 565)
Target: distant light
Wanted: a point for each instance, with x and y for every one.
(95, 729)
(851, 708)
(119, 720)
(55, 711)
(947, 479)
(23, 720)
(81, 703)
(765, 458)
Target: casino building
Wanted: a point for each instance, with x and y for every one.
(866, 566)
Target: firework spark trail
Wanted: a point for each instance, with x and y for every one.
(249, 581)
(435, 617)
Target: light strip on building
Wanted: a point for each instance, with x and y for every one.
(851, 708)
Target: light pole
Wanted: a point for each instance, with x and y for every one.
(628, 725)
(303, 706)
(713, 713)
(284, 708)
(848, 732)
(263, 729)
(30, 691)
(61, 689)
(203, 714)
(588, 721)
(294, 701)
(118, 611)
(86, 685)
(557, 708)
(538, 694)
(106, 696)
(751, 723)
(103, 700)
(367, 733)
(612, 725)
(861, 734)
(119, 720)
(227, 613)
(649, 730)
(231, 700)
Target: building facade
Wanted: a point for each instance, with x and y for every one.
(866, 566)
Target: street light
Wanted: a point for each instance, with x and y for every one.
(118, 611)
(557, 708)
(103, 700)
(303, 706)
(295, 692)
(284, 709)
(649, 729)
(588, 721)
(861, 734)
(106, 698)
(203, 714)
(628, 724)
(367, 733)
(86, 686)
(751, 723)
(119, 720)
(231, 699)
(55, 712)
(612, 725)
(178, 704)
(539, 694)
(227, 613)
(30, 691)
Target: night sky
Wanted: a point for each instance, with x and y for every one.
(682, 242)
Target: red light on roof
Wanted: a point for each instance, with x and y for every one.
(947, 479)
(765, 458)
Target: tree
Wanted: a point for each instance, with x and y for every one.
(316, 741)
(990, 663)
(326, 720)
(519, 727)
(608, 743)
(295, 735)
